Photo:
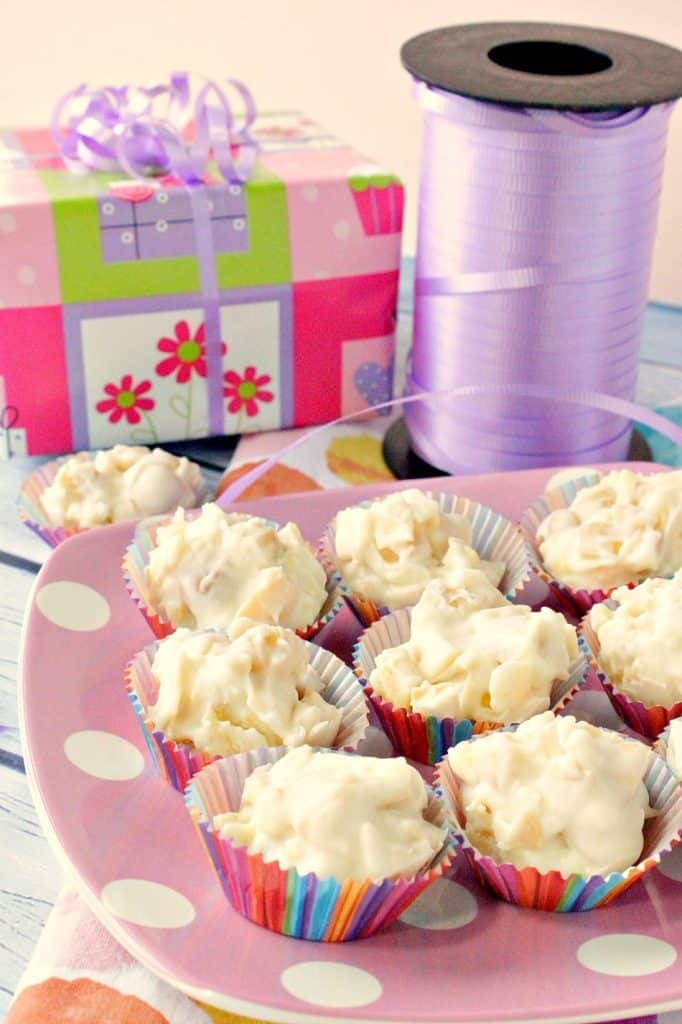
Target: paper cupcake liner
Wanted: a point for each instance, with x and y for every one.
(551, 890)
(661, 748)
(646, 720)
(302, 906)
(427, 738)
(32, 513)
(574, 601)
(178, 762)
(135, 562)
(493, 537)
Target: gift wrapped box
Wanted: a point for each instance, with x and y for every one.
(130, 314)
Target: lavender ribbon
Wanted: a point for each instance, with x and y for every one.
(444, 397)
(146, 131)
(536, 230)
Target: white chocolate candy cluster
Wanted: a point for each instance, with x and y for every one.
(227, 696)
(388, 551)
(674, 751)
(556, 794)
(338, 816)
(471, 654)
(641, 640)
(620, 530)
(122, 483)
(231, 571)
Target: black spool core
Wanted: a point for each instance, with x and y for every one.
(545, 57)
(538, 64)
(405, 464)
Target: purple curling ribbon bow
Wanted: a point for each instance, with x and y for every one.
(165, 130)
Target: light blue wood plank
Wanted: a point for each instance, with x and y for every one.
(29, 881)
(15, 585)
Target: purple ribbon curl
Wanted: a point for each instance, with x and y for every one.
(163, 130)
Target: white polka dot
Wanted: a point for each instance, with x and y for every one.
(331, 984)
(127, 237)
(147, 903)
(671, 865)
(8, 223)
(26, 275)
(342, 229)
(626, 956)
(108, 209)
(322, 275)
(73, 606)
(443, 905)
(103, 755)
(311, 193)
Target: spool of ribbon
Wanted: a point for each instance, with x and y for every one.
(432, 399)
(536, 230)
(163, 130)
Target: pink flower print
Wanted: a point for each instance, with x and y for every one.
(126, 399)
(187, 353)
(247, 391)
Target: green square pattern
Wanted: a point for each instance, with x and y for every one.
(85, 277)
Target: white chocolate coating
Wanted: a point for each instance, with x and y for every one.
(338, 816)
(389, 551)
(471, 654)
(641, 640)
(556, 794)
(121, 483)
(231, 571)
(620, 530)
(674, 751)
(226, 696)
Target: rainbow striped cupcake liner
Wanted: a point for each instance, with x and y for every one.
(493, 537)
(552, 891)
(426, 738)
(661, 748)
(178, 762)
(647, 720)
(301, 906)
(574, 602)
(136, 559)
(32, 513)
(30, 508)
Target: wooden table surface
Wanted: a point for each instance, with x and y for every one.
(29, 875)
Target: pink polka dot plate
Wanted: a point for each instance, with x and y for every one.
(457, 955)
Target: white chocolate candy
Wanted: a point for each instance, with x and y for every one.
(226, 696)
(230, 571)
(641, 640)
(338, 816)
(620, 530)
(674, 751)
(122, 483)
(389, 551)
(556, 794)
(471, 654)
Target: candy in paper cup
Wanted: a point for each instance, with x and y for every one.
(494, 538)
(551, 890)
(647, 720)
(574, 601)
(427, 738)
(178, 762)
(33, 515)
(302, 906)
(136, 559)
(30, 508)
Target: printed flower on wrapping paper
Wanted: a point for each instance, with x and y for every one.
(247, 391)
(187, 353)
(126, 400)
